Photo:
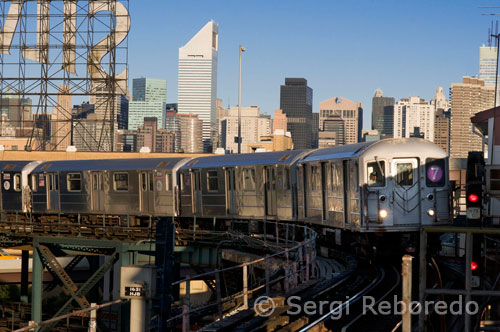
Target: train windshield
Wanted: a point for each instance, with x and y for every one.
(435, 176)
(376, 177)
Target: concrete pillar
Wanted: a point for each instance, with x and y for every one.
(245, 286)
(406, 294)
(138, 314)
(93, 319)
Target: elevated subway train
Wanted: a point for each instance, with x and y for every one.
(389, 186)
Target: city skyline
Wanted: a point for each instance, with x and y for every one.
(340, 59)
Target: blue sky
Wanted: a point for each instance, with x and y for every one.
(343, 48)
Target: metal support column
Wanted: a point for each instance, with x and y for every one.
(36, 285)
(422, 278)
(24, 275)
(468, 278)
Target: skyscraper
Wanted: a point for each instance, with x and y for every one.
(488, 66)
(467, 98)
(197, 90)
(343, 117)
(382, 114)
(414, 116)
(149, 100)
(296, 102)
(149, 89)
(191, 133)
(253, 126)
(61, 118)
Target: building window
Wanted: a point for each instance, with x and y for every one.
(17, 182)
(120, 181)
(212, 181)
(249, 179)
(74, 182)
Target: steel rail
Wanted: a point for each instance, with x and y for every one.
(350, 301)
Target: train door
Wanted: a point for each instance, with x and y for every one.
(52, 191)
(325, 180)
(147, 192)
(345, 175)
(97, 191)
(230, 191)
(270, 190)
(406, 195)
(354, 194)
(196, 181)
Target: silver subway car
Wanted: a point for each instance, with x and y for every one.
(253, 186)
(15, 192)
(390, 185)
(119, 186)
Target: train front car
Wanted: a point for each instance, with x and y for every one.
(405, 185)
(376, 194)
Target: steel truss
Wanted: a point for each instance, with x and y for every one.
(56, 53)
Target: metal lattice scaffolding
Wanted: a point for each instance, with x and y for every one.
(58, 53)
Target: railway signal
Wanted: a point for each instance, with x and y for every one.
(474, 186)
(476, 263)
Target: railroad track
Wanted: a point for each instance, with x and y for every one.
(385, 290)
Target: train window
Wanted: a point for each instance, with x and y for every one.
(404, 176)
(337, 183)
(279, 176)
(168, 182)
(74, 181)
(375, 175)
(314, 178)
(249, 179)
(56, 181)
(151, 182)
(286, 179)
(212, 181)
(120, 181)
(434, 172)
(34, 182)
(144, 181)
(17, 182)
(50, 180)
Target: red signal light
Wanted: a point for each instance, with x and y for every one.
(473, 198)
(473, 266)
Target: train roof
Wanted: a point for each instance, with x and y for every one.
(258, 158)
(395, 147)
(338, 152)
(13, 165)
(108, 164)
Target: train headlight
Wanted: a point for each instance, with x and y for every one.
(383, 214)
(431, 212)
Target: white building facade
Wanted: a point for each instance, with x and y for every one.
(411, 113)
(197, 88)
(253, 126)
